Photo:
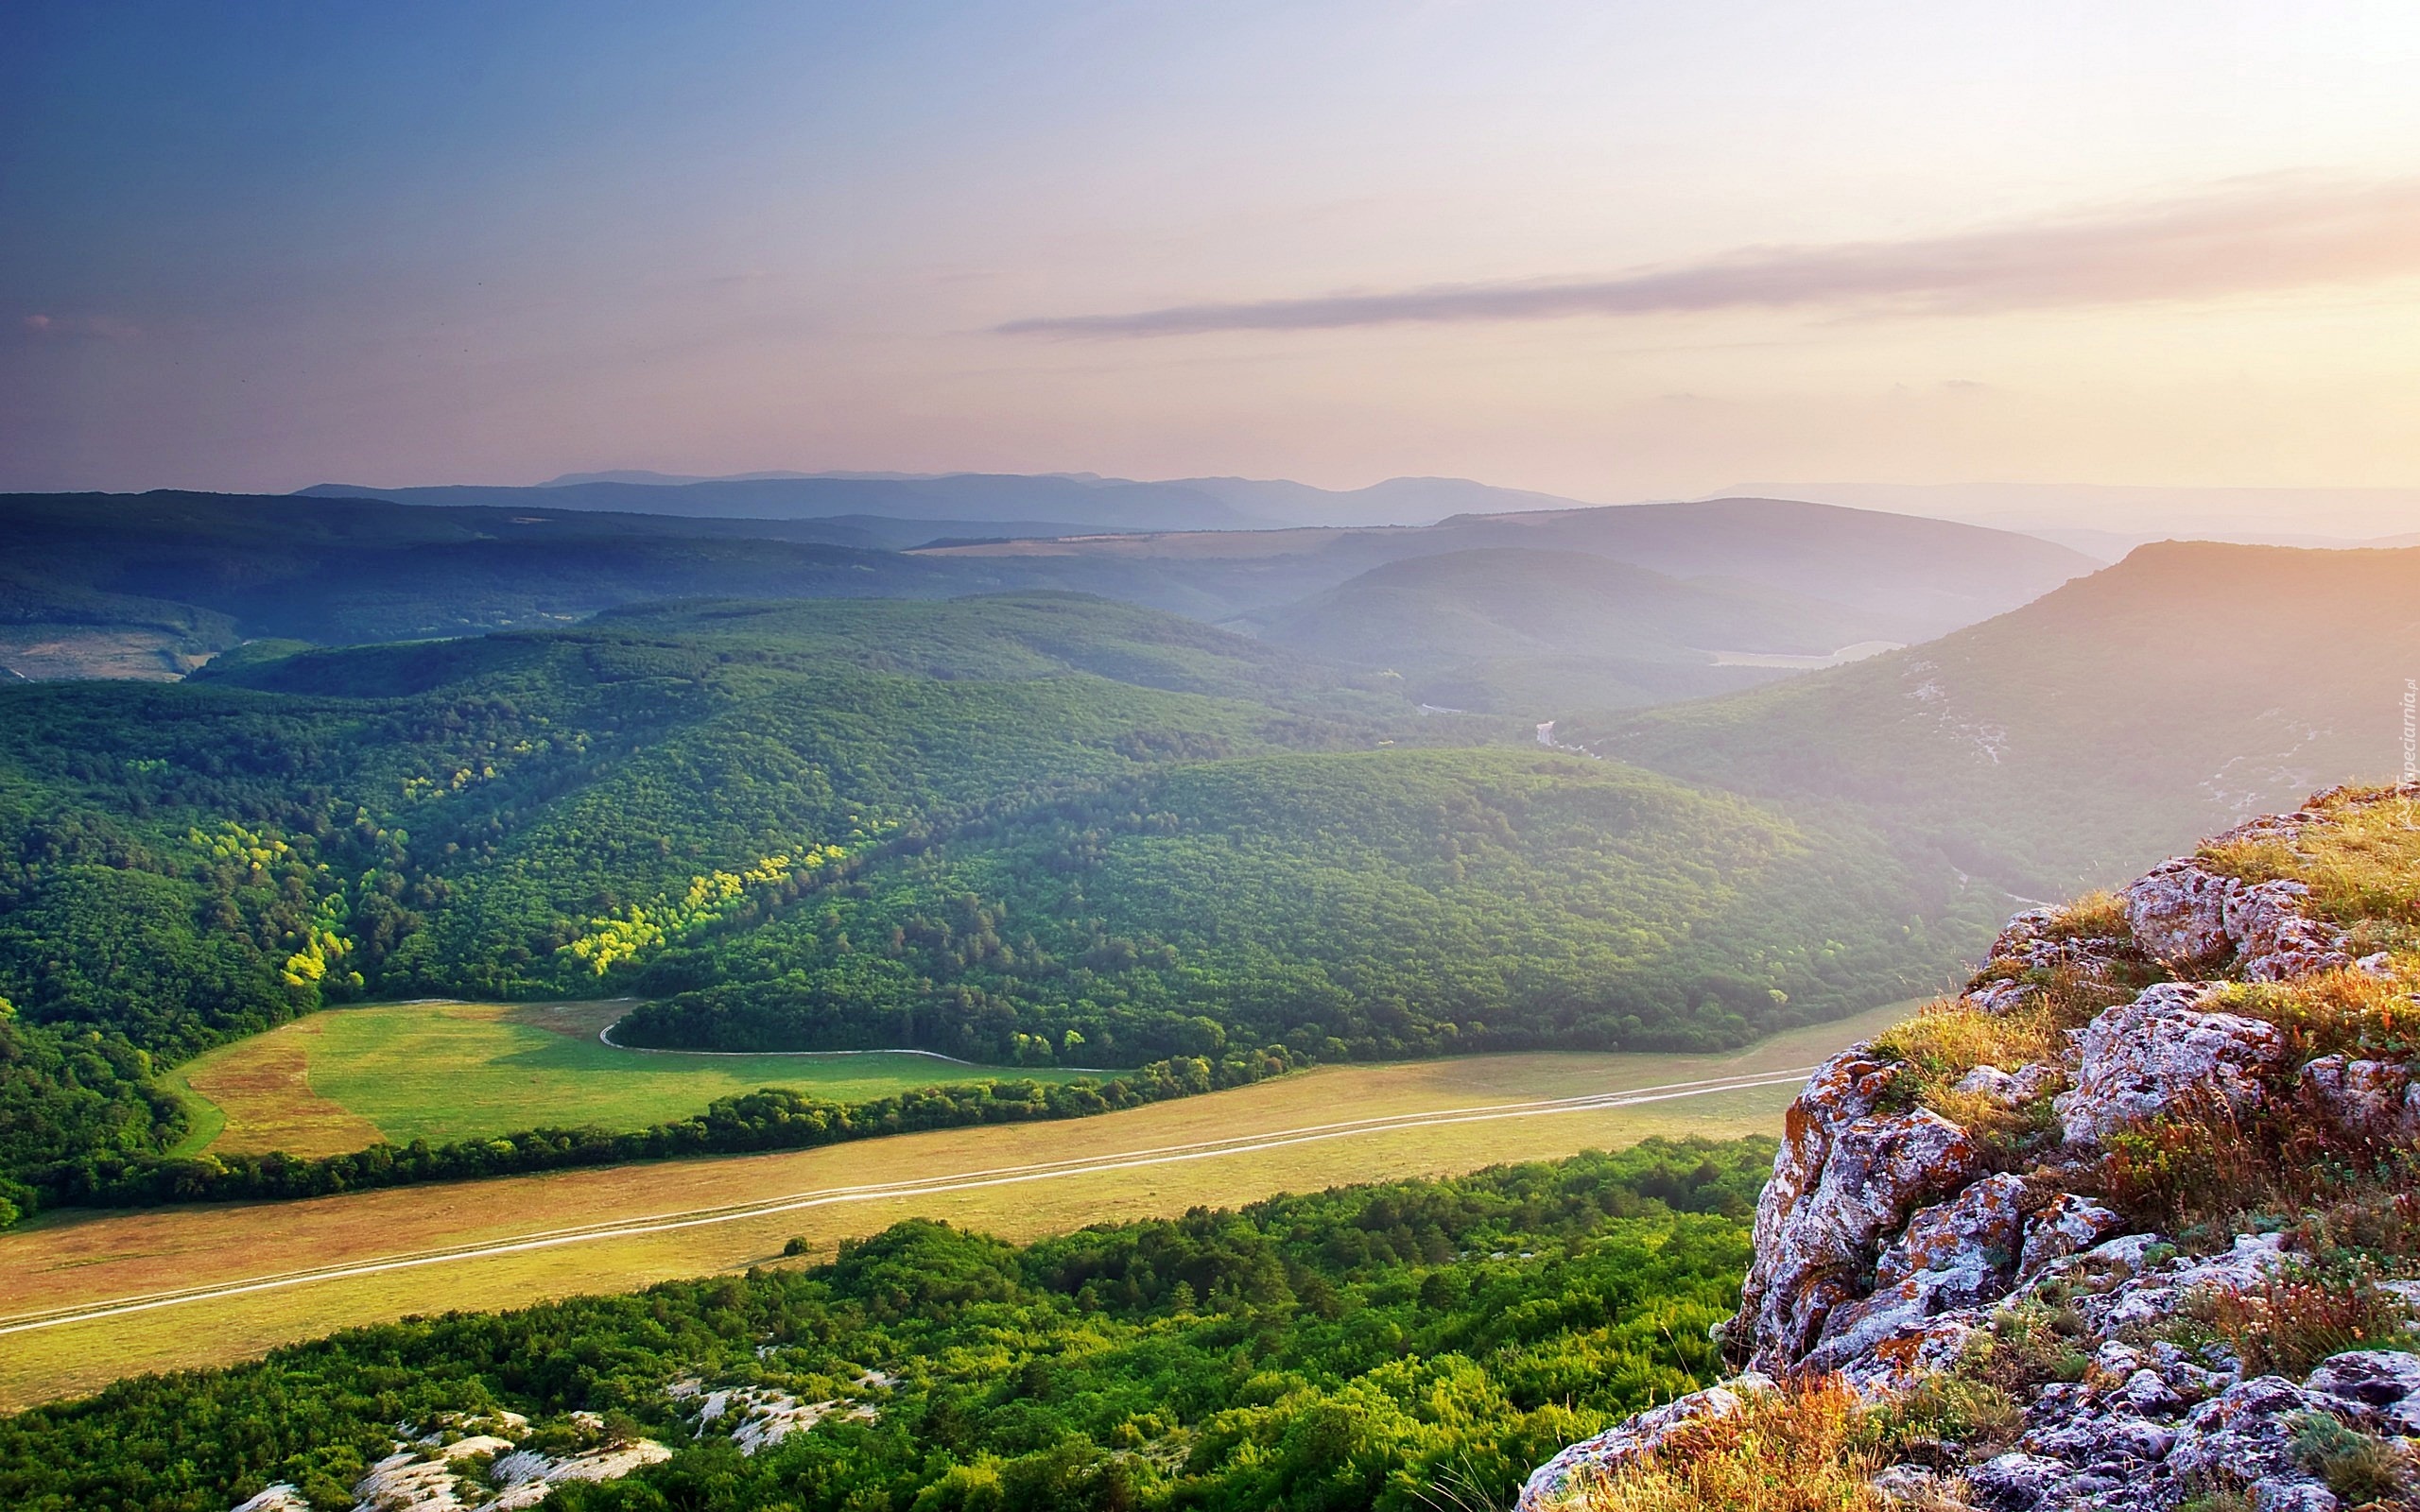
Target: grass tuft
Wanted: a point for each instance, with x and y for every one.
(1795, 1451)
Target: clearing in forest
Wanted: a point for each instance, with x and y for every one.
(443, 1070)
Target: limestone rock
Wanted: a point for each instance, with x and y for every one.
(2178, 911)
(2069, 1225)
(282, 1497)
(2382, 1383)
(2276, 942)
(1841, 1184)
(1553, 1483)
(1980, 1228)
(2368, 1099)
(2010, 1089)
(2142, 1059)
(2246, 1432)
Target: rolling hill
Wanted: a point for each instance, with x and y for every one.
(1004, 828)
(2072, 742)
(1515, 630)
(1925, 575)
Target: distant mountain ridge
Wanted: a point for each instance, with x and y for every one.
(1512, 631)
(1081, 500)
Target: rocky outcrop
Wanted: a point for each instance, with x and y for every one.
(472, 1463)
(1634, 1437)
(1890, 1240)
(2192, 918)
(2154, 1053)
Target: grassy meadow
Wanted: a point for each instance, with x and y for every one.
(442, 1070)
(65, 1259)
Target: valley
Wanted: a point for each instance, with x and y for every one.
(1420, 1118)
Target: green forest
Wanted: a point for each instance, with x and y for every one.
(1358, 1349)
(1037, 829)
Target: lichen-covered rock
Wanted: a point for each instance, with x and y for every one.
(2178, 911)
(1555, 1481)
(2385, 1385)
(1980, 1228)
(2010, 1089)
(2367, 1099)
(2067, 1224)
(1953, 1257)
(2246, 1433)
(1839, 1186)
(2274, 939)
(2144, 1057)
(1887, 1250)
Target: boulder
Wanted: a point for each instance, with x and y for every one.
(2069, 1225)
(2140, 1059)
(2366, 1099)
(2383, 1386)
(1818, 1231)
(2178, 911)
(2274, 939)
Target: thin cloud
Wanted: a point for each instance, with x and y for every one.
(2274, 235)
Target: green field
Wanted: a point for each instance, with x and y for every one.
(444, 1070)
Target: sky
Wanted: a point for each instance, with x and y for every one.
(1607, 250)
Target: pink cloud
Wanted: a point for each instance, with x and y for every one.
(2271, 236)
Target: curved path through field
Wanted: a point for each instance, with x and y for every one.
(86, 1297)
(799, 1201)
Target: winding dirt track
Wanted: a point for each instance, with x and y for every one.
(958, 1181)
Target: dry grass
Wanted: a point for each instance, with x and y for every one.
(70, 1260)
(2299, 1316)
(261, 1089)
(2349, 1013)
(2359, 865)
(1796, 1450)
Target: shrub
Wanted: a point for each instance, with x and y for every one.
(2300, 1315)
(2357, 1467)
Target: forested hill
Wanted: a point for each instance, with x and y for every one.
(150, 584)
(2077, 740)
(1033, 828)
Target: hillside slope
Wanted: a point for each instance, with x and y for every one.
(1930, 575)
(2127, 1223)
(1003, 828)
(2074, 740)
(1509, 630)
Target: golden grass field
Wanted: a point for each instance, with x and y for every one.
(71, 1260)
(443, 1070)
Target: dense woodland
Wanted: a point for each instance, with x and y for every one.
(1371, 1347)
(1028, 830)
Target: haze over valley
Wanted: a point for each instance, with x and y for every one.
(1025, 757)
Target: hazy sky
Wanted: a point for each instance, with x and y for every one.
(1608, 249)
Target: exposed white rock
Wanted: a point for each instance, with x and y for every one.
(2146, 1056)
(281, 1497)
(2010, 1089)
(427, 1476)
(1844, 1179)
(1884, 1251)
(2274, 940)
(764, 1416)
(2178, 911)
(1554, 1481)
